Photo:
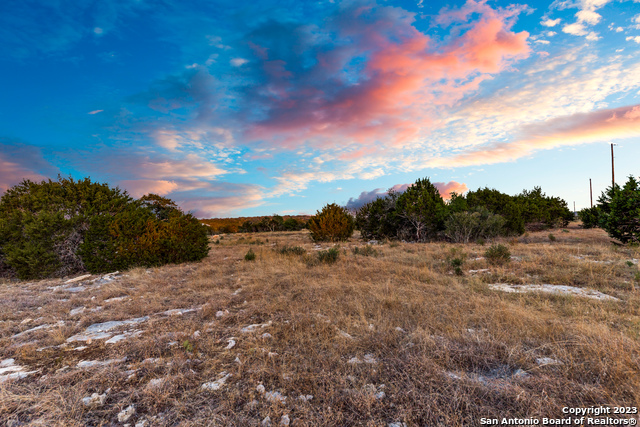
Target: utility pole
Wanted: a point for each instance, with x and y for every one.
(613, 175)
(574, 208)
(591, 192)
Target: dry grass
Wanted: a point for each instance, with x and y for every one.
(448, 350)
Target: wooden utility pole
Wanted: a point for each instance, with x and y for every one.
(613, 175)
(591, 192)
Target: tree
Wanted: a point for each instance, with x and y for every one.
(620, 211)
(423, 211)
(333, 223)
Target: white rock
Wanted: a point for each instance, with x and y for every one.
(399, 329)
(179, 311)
(266, 335)
(25, 321)
(95, 363)
(117, 299)
(196, 335)
(368, 358)
(305, 398)
(275, 397)
(553, 289)
(398, 424)
(380, 395)
(284, 420)
(547, 361)
(116, 339)
(221, 313)
(216, 385)
(260, 389)
(231, 344)
(354, 360)
(266, 422)
(95, 399)
(126, 413)
(156, 383)
(77, 279)
(272, 354)
(255, 326)
(142, 423)
(76, 311)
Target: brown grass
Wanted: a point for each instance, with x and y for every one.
(447, 347)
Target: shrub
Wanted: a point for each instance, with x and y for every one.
(329, 256)
(422, 211)
(333, 223)
(291, 250)
(462, 227)
(250, 255)
(366, 250)
(63, 227)
(497, 254)
(552, 237)
(620, 212)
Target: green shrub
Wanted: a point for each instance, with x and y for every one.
(250, 255)
(497, 254)
(366, 250)
(333, 223)
(462, 227)
(552, 237)
(64, 227)
(291, 250)
(620, 211)
(329, 256)
(590, 217)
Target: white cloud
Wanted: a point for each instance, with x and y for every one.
(575, 29)
(592, 36)
(543, 41)
(551, 33)
(95, 111)
(99, 31)
(619, 30)
(588, 16)
(550, 22)
(237, 62)
(635, 39)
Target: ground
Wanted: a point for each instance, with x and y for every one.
(388, 334)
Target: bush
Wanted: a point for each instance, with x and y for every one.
(552, 238)
(291, 250)
(366, 250)
(64, 227)
(463, 227)
(620, 212)
(250, 255)
(329, 256)
(333, 223)
(497, 254)
(422, 211)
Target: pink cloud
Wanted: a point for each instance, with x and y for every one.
(19, 162)
(139, 187)
(445, 190)
(596, 126)
(405, 76)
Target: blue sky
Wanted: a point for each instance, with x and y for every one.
(254, 108)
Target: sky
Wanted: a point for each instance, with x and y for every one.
(262, 107)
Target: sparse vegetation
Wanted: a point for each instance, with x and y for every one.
(329, 256)
(366, 250)
(445, 349)
(250, 255)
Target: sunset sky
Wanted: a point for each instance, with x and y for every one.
(237, 108)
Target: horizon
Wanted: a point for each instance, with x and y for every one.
(236, 110)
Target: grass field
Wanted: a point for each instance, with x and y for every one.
(387, 334)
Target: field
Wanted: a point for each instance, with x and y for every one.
(388, 334)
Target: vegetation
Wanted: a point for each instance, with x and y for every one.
(497, 254)
(420, 214)
(590, 217)
(63, 227)
(446, 350)
(620, 212)
(333, 223)
(258, 224)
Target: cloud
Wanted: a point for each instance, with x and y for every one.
(238, 62)
(379, 79)
(19, 161)
(635, 39)
(551, 22)
(597, 126)
(95, 112)
(139, 187)
(588, 16)
(575, 29)
(445, 190)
